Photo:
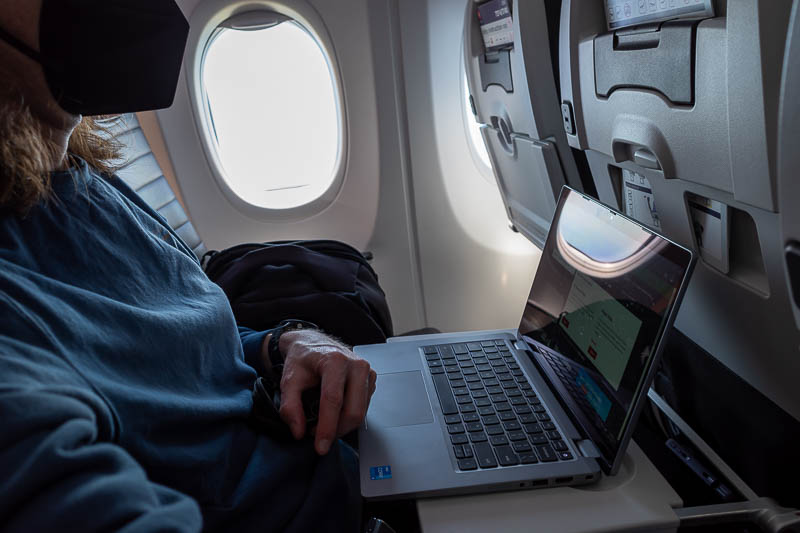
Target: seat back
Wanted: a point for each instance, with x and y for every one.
(515, 97)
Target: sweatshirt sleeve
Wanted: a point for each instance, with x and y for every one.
(252, 342)
(56, 474)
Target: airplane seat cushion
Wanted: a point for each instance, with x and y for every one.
(141, 172)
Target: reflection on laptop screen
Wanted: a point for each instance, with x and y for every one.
(603, 292)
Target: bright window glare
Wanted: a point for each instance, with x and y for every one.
(274, 109)
(474, 129)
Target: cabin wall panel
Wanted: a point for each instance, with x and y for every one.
(476, 273)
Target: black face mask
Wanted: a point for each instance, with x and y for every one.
(104, 57)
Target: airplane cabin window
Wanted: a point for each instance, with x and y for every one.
(271, 101)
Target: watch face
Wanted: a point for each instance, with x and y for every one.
(301, 324)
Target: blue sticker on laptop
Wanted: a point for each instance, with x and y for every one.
(380, 472)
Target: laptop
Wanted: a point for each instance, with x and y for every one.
(553, 402)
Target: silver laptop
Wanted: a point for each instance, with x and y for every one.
(551, 403)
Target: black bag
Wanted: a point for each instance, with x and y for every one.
(325, 282)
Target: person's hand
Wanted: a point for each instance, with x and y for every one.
(311, 358)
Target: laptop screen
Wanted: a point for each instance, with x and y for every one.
(600, 303)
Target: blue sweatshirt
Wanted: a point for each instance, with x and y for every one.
(124, 387)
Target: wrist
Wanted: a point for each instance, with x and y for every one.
(289, 338)
(281, 338)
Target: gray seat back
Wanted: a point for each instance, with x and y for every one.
(515, 98)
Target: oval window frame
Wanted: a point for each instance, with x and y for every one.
(209, 18)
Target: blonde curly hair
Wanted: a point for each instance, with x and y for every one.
(26, 155)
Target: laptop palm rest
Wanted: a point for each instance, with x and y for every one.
(400, 400)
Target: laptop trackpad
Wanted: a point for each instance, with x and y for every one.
(400, 400)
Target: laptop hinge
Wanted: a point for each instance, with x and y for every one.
(588, 449)
(586, 446)
(521, 345)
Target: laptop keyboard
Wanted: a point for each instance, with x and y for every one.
(494, 417)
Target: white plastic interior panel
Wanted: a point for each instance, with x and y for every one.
(476, 272)
(394, 240)
(789, 155)
(515, 94)
(722, 145)
(371, 209)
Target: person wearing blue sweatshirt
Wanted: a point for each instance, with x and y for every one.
(125, 384)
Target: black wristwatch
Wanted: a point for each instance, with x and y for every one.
(275, 355)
